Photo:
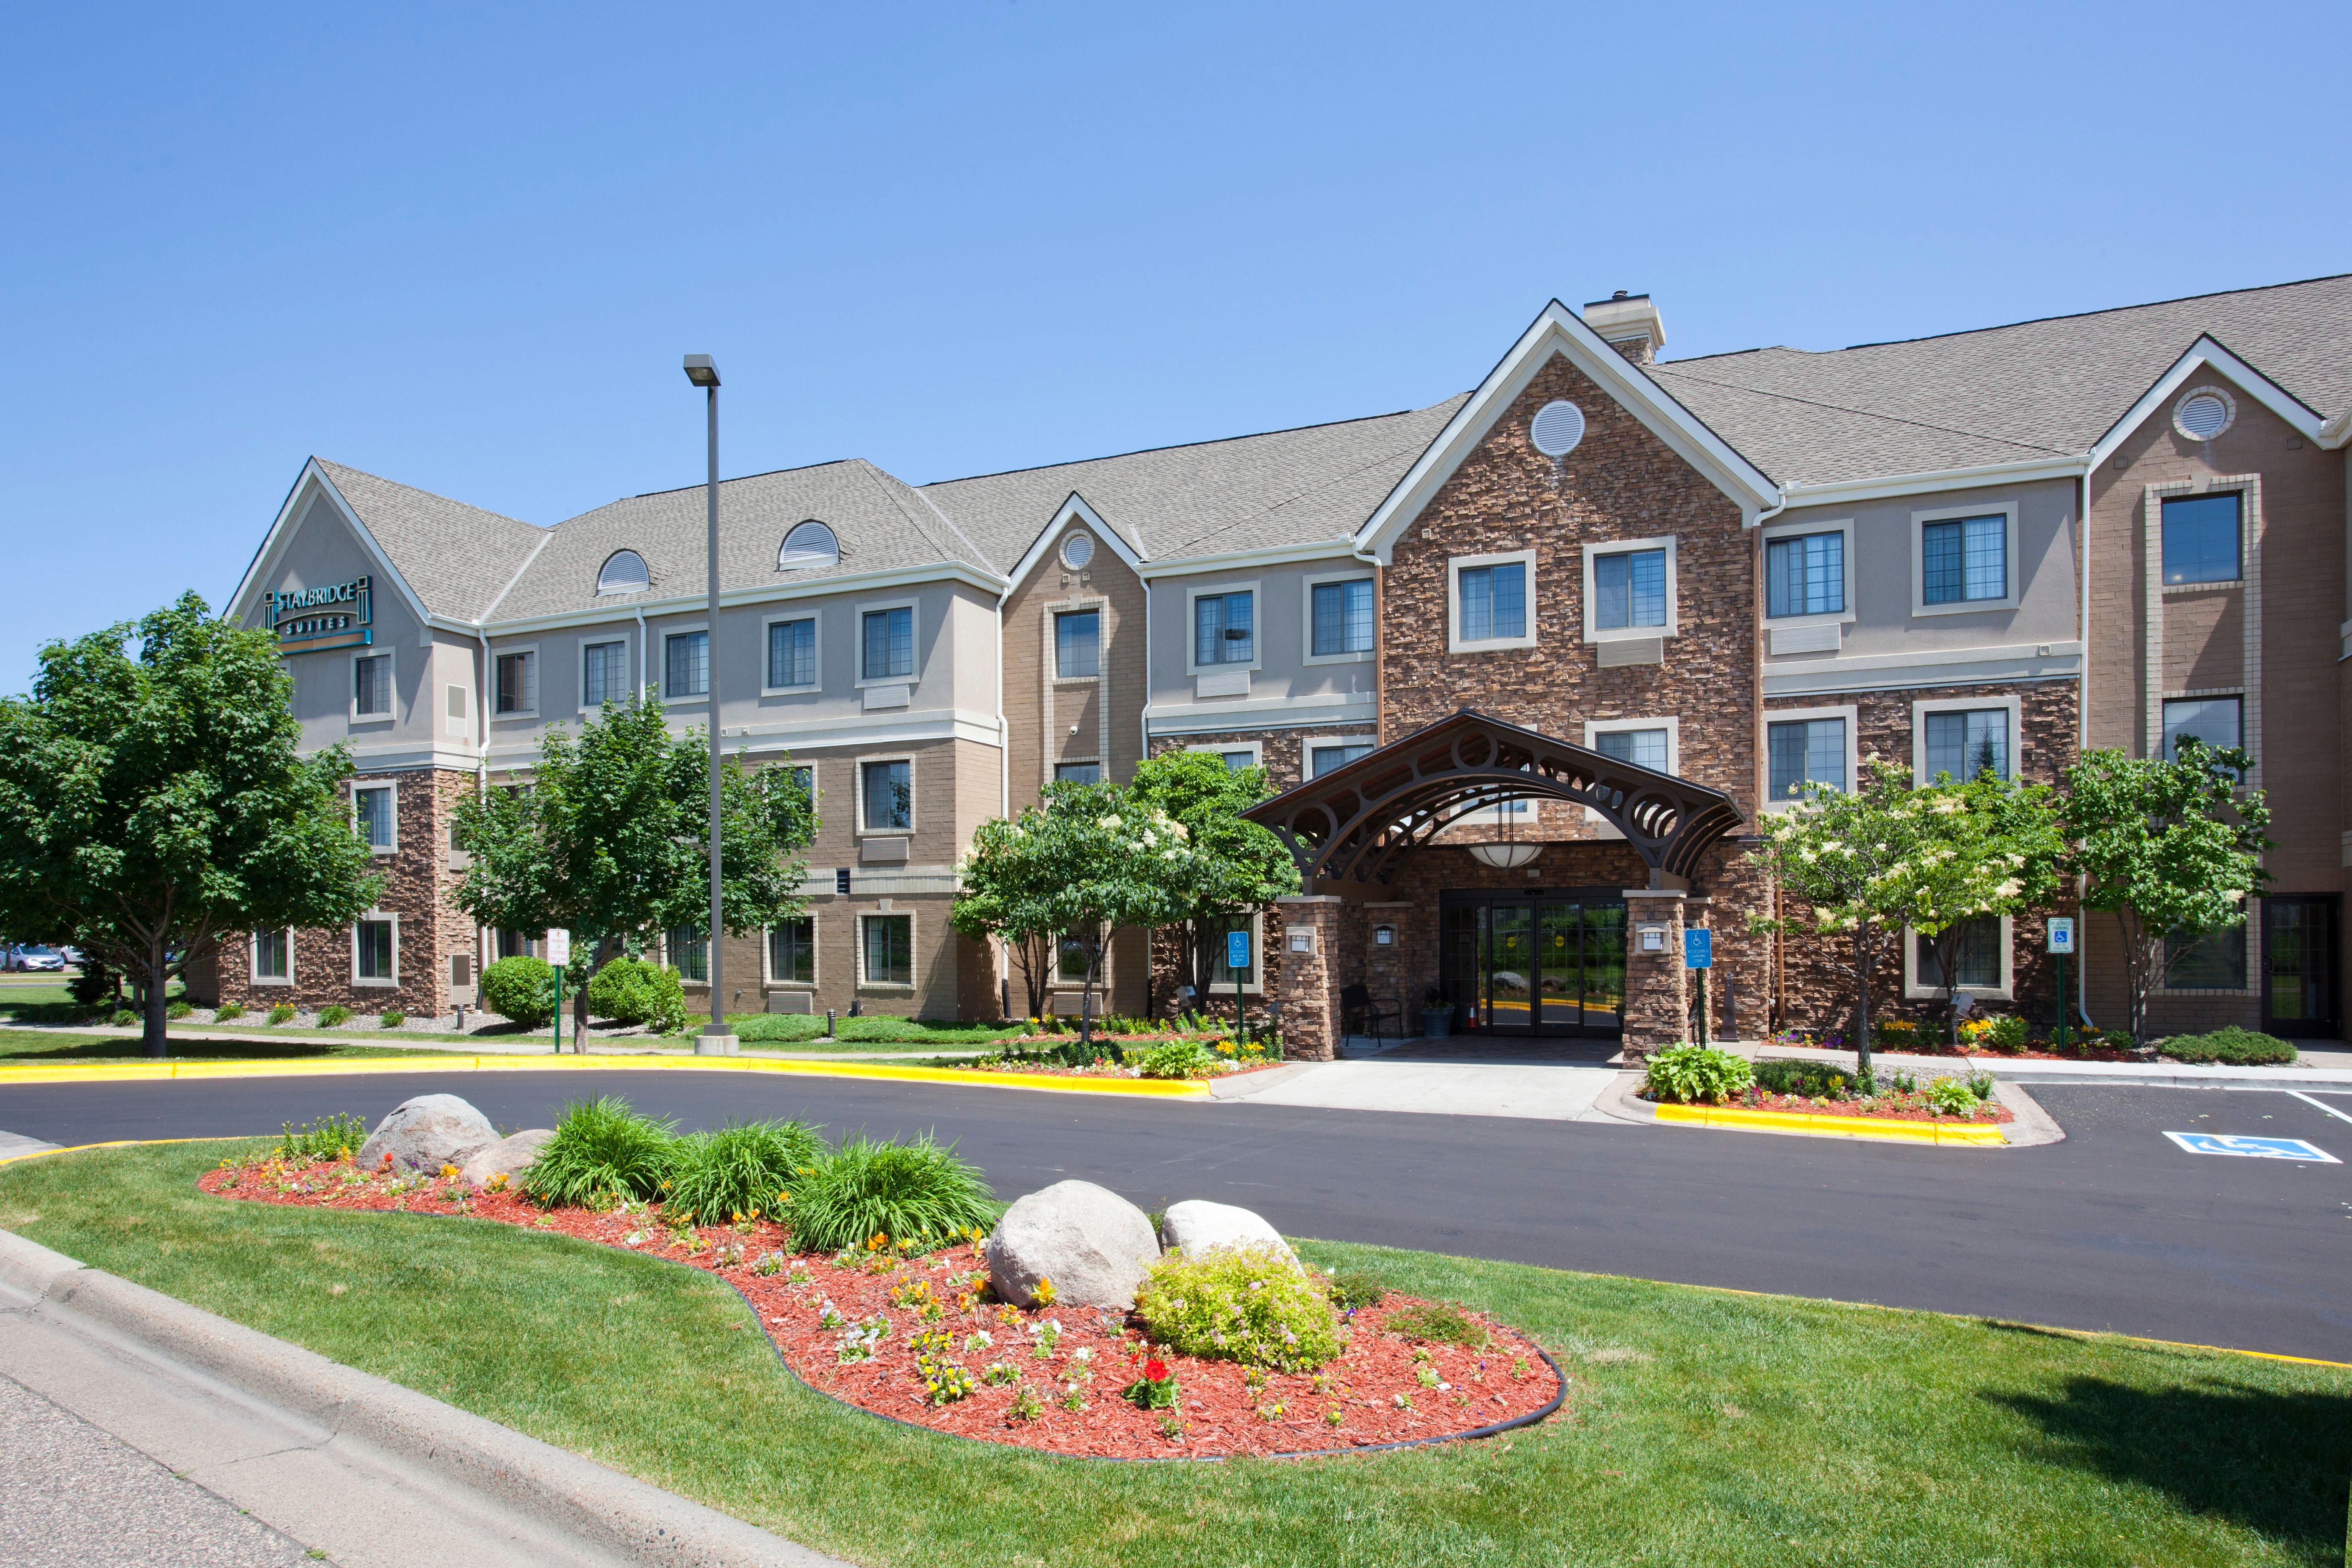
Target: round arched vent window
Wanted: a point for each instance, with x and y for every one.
(1558, 426)
(2204, 413)
(624, 572)
(1077, 550)
(810, 543)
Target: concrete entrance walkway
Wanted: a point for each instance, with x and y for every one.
(1542, 1080)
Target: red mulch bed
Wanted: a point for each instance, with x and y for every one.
(1220, 1415)
(1987, 1114)
(1058, 1069)
(2038, 1051)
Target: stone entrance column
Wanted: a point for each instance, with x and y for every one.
(1310, 987)
(1657, 986)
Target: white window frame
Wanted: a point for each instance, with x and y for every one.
(1596, 728)
(2009, 563)
(2012, 704)
(1257, 749)
(1194, 593)
(1593, 632)
(768, 978)
(1306, 654)
(538, 681)
(1307, 745)
(391, 715)
(914, 962)
(391, 788)
(2247, 931)
(377, 916)
(1094, 763)
(858, 790)
(689, 629)
(1091, 605)
(1059, 985)
(461, 723)
(1455, 566)
(1913, 991)
(767, 635)
(857, 652)
(1851, 712)
(628, 687)
(253, 961)
(1779, 531)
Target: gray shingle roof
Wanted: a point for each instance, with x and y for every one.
(456, 557)
(1998, 394)
(1285, 487)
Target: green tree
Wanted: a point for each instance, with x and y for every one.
(1986, 849)
(1005, 885)
(2171, 848)
(1235, 866)
(155, 806)
(611, 841)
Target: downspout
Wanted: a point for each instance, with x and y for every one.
(482, 939)
(1143, 713)
(640, 609)
(2083, 736)
(1003, 725)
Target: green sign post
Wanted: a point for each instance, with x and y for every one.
(1237, 958)
(2062, 943)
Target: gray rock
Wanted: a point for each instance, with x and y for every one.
(426, 1133)
(1196, 1225)
(1091, 1243)
(507, 1156)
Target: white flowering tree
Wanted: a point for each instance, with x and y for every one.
(2171, 848)
(1986, 849)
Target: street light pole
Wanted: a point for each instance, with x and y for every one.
(716, 1039)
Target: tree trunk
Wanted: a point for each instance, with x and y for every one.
(152, 1001)
(1863, 965)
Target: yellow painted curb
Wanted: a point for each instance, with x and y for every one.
(443, 1061)
(1979, 1134)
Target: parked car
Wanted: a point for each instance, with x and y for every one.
(36, 957)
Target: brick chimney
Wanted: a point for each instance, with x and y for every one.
(1630, 324)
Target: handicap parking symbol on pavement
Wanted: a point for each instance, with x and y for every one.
(2253, 1148)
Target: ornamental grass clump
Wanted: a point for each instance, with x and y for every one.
(918, 1196)
(740, 1170)
(1685, 1073)
(1249, 1304)
(328, 1137)
(602, 1152)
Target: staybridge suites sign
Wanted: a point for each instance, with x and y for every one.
(339, 615)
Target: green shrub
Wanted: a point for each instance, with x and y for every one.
(919, 1196)
(2007, 1035)
(1177, 1059)
(1895, 1034)
(1444, 1323)
(1248, 1304)
(227, 1011)
(126, 1019)
(95, 986)
(1950, 1097)
(178, 1010)
(334, 1015)
(1788, 1075)
(521, 990)
(1353, 1289)
(336, 1137)
(601, 1149)
(282, 1014)
(740, 1170)
(635, 992)
(2233, 1045)
(1681, 1074)
(2113, 1039)
(393, 1018)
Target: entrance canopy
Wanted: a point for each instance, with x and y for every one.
(1357, 824)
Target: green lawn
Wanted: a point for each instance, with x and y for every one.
(1702, 1427)
(803, 1032)
(36, 1047)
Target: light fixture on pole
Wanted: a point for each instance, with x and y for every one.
(716, 1039)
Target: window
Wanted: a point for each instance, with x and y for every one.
(1805, 575)
(1077, 643)
(604, 673)
(889, 792)
(1070, 960)
(792, 653)
(2215, 960)
(1493, 602)
(1964, 560)
(1642, 748)
(376, 950)
(1629, 589)
(1321, 760)
(624, 572)
(889, 643)
(1977, 966)
(2201, 539)
(514, 944)
(688, 660)
(372, 686)
(810, 543)
(791, 952)
(456, 710)
(690, 953)
(806, 776)
(518, 683)
(2216, 720)
(273, 957)
(1806, 751)
(372, 809)
(1341, 617)
(1968, 742)
(1077, 773)
(1222, 630)
(1223, 975)
(889, 941)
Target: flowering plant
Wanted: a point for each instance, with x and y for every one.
(1156, 1389)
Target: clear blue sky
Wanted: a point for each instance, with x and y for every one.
(464, 247)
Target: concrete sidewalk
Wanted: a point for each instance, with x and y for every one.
(1544, 1091)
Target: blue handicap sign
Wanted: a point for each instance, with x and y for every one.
(1238, 950)
(2253, 1148)
(1698, 948)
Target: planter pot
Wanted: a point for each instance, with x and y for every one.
(1436, 1023)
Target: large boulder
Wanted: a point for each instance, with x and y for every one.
(1091, 1243)
(1196, 1225)
(426, 1133)
(507, 1157)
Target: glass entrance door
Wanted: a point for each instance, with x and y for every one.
(2299, 968)
(1535, 963)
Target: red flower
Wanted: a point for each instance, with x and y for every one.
(1155, 1370)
